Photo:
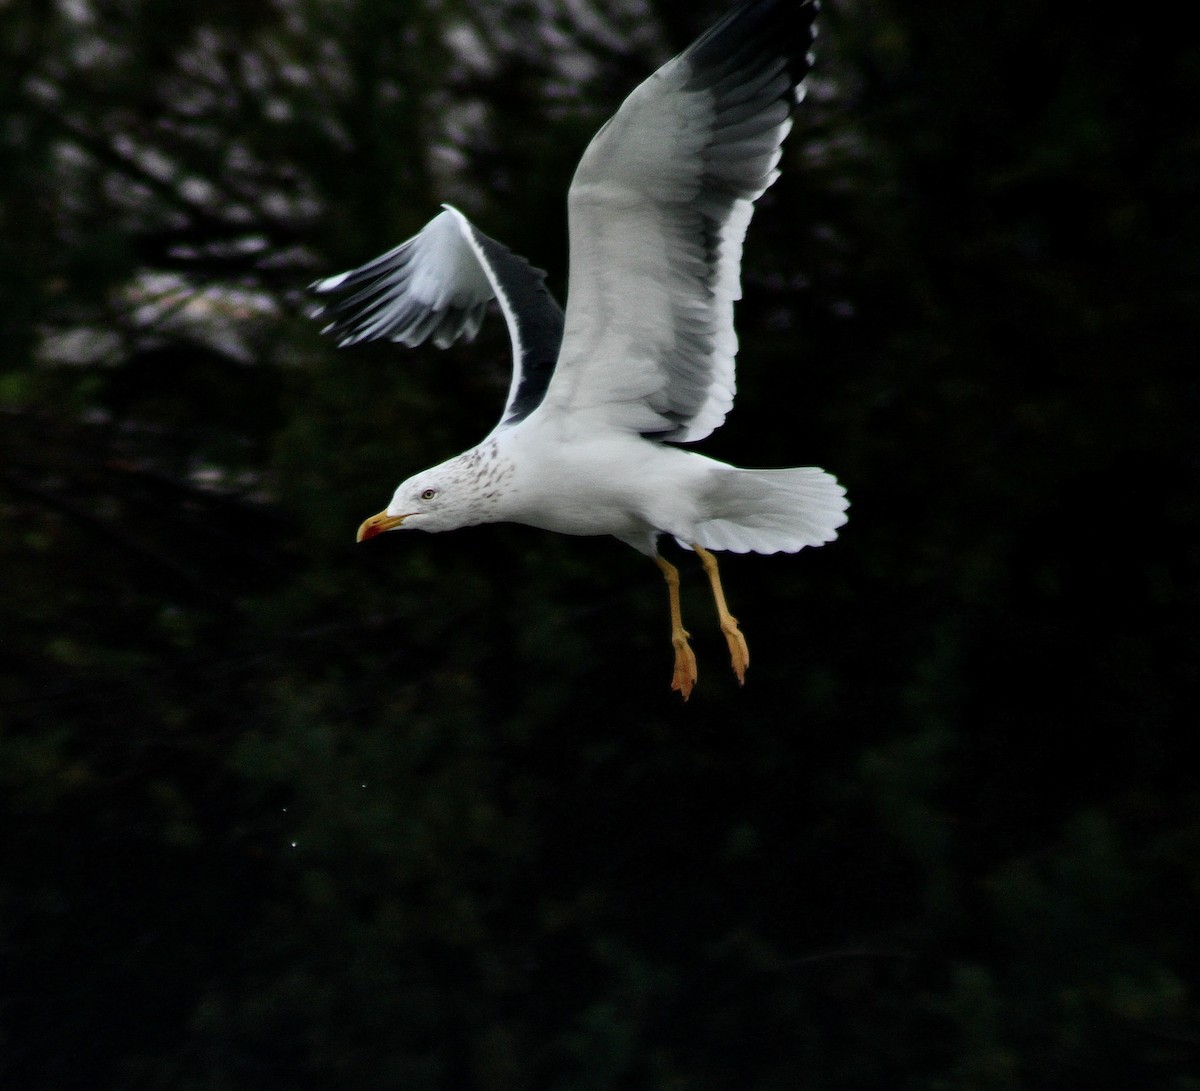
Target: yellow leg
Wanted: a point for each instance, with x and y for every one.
(739, 654)
(684, 677)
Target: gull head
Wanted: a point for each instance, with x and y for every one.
(453, 495)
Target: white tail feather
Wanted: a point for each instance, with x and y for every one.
(771, 511)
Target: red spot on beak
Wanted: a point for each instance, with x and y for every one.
(377, 524)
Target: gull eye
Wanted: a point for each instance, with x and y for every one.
(429, 494)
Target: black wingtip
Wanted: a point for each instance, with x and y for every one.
(784, 29)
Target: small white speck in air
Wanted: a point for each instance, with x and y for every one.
(293, 844)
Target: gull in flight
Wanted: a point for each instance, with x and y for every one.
(642, 361)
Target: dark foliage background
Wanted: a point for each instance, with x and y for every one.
(279, 811)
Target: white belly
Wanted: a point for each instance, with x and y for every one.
(621, 485)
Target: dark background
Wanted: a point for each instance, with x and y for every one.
(280, 811)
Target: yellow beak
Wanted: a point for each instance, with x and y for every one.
(377, 524)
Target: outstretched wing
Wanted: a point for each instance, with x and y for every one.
(437, 286)
(658, 210)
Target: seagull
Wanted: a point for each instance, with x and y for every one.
(642, 361)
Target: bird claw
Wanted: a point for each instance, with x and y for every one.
(685, 674)
(739, 652)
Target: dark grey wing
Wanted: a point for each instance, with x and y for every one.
(437, 286)
(659, 208)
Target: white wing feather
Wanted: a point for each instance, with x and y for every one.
(437, 286)
(430, 287)
(658, 210)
